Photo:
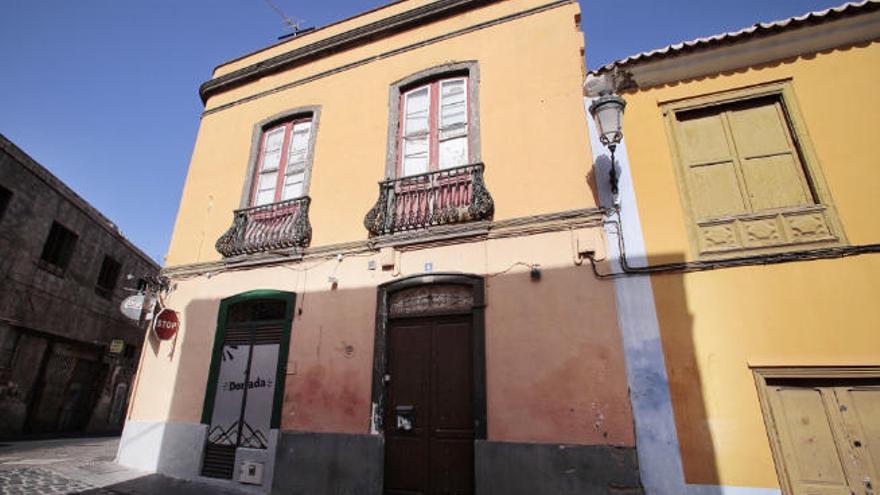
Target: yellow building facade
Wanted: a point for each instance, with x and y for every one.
(747, 210)
(438, 333)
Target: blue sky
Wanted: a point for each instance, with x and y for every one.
(104, 92)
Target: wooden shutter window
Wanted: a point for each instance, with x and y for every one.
(453, 125)
(416, 140)
(281, 170)
(747, 174)
(297, 155)
(267, 180)
(433, 131)
(824, 431)
(740, 158)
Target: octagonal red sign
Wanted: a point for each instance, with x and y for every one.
(166, 324)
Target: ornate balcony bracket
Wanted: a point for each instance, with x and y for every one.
(417, 202)
(278, 226)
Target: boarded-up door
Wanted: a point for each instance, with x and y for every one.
(68, 386)
(429, 408)
(828, 433)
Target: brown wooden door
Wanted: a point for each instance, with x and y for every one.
(429, 407)
(829, 432)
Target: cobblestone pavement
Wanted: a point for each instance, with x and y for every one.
(29, 480)
(83, 466)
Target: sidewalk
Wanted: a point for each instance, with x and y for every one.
(83, 466)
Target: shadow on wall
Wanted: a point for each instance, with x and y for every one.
(174, 446)
(184, 436)
(686, 384)
(677, 340)
(555, 376)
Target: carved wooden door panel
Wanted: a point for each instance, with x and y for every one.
(829, 433)
(429, 413)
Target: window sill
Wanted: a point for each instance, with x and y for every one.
(49, 267)
(769, 231)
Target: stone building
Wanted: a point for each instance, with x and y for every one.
(67, 355)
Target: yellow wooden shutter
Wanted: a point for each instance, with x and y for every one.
(710, 165)
(772, 171)
(859, 408)
(740, 158)
(811, 456)
(830, 437)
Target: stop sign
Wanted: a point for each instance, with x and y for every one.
(166, 324)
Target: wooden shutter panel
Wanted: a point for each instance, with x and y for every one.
(811, 456)
(271, 160)
(297, 157)
(859, 408)
(415, 145)
(453, 125)
(771, 168)
(740, 158)
(710, 166)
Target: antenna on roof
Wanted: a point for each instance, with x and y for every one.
(289, 22)
(292, 24)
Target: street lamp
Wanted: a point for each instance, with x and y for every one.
(607, 111)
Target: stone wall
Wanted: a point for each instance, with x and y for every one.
(55, 328)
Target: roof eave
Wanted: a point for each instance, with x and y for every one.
(762, 43)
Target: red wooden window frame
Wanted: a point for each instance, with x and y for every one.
(433, 122)
(283, 160)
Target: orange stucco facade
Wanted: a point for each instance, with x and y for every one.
(717, 326)
(554, 364)
(523, 87)
(555, 376)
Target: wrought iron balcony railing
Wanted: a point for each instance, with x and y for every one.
(448, 196)
(277, 226)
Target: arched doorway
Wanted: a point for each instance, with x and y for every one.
(429, 380)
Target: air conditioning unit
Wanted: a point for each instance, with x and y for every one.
(250, 472)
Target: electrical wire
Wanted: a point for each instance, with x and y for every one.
(511, 267)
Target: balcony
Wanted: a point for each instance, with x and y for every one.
(418, 202)
(281, 226)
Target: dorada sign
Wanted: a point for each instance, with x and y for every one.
(254, 383)
(166, 324)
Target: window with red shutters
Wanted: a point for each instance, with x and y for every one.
(433, 128)
(281, 171)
